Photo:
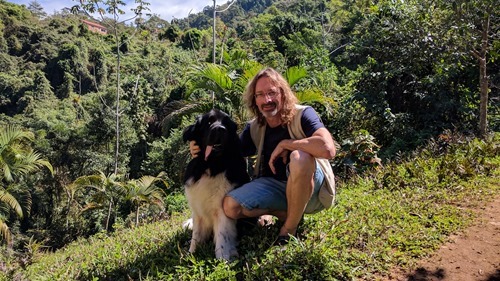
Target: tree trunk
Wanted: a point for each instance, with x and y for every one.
(483, 78)
(483, 105)
(109, 214)
(117, 112)
(137, 216)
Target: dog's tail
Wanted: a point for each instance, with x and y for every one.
(188, 224)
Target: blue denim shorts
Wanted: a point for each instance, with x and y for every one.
(270, 194)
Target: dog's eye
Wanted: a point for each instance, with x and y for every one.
(211, 120)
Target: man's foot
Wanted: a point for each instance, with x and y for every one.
(287, 231)
(282, 240)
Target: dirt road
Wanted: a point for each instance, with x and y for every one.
(473, 255)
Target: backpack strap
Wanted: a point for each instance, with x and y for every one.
(257, 132)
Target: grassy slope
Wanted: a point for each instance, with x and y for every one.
(393, 217)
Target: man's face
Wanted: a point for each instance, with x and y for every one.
(267, 97)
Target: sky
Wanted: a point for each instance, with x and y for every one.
(167, 9)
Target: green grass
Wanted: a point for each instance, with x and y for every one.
(391, 217)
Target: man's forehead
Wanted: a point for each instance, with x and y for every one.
(265, 87)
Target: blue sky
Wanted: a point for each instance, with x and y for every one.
(167, 9)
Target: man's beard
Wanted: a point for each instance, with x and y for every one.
(269, 114)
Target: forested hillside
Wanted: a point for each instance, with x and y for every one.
(91, 123)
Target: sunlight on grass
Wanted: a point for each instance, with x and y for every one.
(390, 217)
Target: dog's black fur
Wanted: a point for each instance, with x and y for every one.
(218, 130)
(219, 168)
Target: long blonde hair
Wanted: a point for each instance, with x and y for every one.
(288, 98)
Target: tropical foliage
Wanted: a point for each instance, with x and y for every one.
(17, 159)
(87, 118)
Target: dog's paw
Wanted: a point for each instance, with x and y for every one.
(188, 224)
(227, 254)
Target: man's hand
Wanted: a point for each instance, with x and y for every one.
(279, 151)
(194, 149)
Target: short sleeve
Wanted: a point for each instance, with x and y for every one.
(310, 121)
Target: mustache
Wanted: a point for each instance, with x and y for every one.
(269, 103)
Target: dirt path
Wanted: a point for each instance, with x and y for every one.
(473, 255)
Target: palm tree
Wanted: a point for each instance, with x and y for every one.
(308, 94)
(7, 199)
(225, 83)
(228, 84)
(108, 188)
(17, 159)
(143, 191)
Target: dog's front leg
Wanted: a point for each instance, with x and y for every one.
(225, 236)
(200, 233)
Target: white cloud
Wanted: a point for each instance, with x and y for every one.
(167, 9)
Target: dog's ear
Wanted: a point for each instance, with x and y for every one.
(230, 124)
(188, 133)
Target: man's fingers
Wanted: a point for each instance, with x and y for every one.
(284, 156)
(271, 165)
(194, 149)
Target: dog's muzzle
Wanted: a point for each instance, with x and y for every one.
(216, 138)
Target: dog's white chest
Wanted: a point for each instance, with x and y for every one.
(205, 201)
(206, 194)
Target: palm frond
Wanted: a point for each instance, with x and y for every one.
(11, 134)
(294, 74)
(94, 181)
(146, 180)
(310, 96)
(314, 95)
(250, 70)
(143, 191)
(31, 161)
(10, 200)
(105, 185)
(210, 77)
(199, 107)
(91, 206)
(7, 172)
(16, 156)
(5, 231)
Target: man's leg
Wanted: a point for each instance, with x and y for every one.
(299, 189)
(234, 210)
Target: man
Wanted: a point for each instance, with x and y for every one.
(290, 142)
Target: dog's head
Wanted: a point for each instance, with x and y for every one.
(211, 131)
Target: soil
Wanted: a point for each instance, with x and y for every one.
(473, 255)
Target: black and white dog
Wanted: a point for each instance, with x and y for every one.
(219, 168)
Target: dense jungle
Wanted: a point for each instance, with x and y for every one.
(91, 123)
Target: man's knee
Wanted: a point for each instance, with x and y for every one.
(301, 162)
(231, 207)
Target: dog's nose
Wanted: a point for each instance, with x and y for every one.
(217, 133)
